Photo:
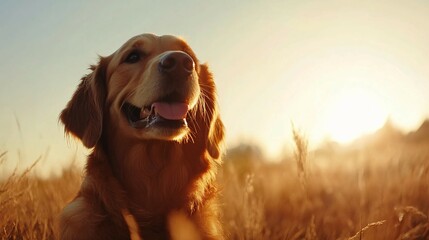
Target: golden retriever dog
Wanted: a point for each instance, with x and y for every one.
(149, 113)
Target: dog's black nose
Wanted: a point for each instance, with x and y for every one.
(176, 64)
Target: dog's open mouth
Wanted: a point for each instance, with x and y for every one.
(158, 114)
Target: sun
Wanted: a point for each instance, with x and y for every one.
(353, 112)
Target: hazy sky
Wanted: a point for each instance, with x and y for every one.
(334, 68)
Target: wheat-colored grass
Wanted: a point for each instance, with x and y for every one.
(355, 194)
(29, 206)
(369, 193)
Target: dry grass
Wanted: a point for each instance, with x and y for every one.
(29, 206)
(365, 194)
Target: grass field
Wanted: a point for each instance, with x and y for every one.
(335, 193)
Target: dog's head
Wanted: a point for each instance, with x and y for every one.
(151, 88)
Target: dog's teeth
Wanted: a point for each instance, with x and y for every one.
(145, 112)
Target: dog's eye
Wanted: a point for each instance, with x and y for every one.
(133, 57)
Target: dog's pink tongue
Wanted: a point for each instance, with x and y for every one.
(171, 111)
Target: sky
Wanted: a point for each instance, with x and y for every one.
(334, 69)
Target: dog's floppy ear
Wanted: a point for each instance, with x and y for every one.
(215, 139)
(83, 115)
(215, 132)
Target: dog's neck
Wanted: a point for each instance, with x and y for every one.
(157, 176)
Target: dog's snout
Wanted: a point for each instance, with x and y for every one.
(176, 64)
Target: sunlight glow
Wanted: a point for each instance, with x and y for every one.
(352, 113)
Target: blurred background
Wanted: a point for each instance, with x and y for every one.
(334, 69)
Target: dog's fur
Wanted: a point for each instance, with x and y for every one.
(136, 177)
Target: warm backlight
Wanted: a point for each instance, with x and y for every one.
(352, 113)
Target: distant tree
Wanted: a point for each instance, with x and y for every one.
(243, 159)
(421, 134)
